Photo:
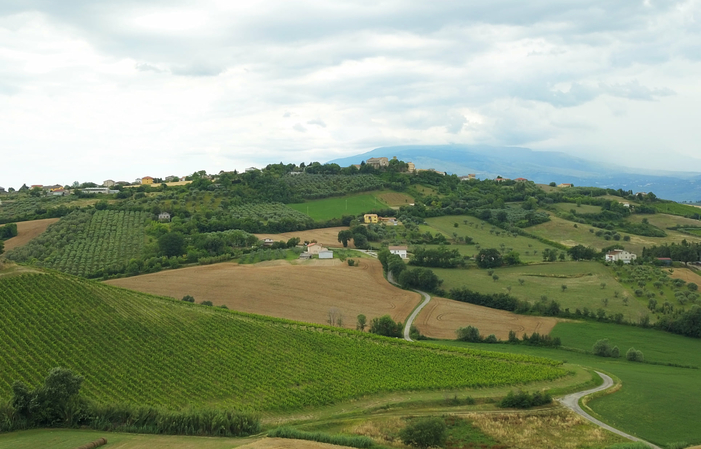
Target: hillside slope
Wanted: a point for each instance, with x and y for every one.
(136, 348)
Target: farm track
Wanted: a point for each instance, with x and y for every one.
(417, 310)
(571, 401)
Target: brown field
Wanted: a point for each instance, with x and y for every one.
(686, 274)
(27, 230)
(303, 291)
(395, 199)
(326, 236)
(442, 317)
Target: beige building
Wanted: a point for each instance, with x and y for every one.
(315, 248)
(378, 162)
(371, 218)
(147, 180)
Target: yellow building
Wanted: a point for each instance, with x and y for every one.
(147, 180)
(371, 218)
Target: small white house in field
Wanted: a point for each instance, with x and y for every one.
(268, 242)
(327, 254)
(315, 248)
(164, 216)
(399, 250)
(619, 254)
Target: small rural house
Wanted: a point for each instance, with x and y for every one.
(521, 180)
(468, 177)
(378, 162)
(147, 180)
(268, 242)
(399, 250)
(164, 216)
(100, 190)
(410, 167)
(108, 183)
(326, 254)
(626, 204)
(619, 254)
(665, 261)
(60, 192)
(371, 218)
(565, 185)
(315, 248)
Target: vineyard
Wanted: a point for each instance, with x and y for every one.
(142, 349)
(267, 212)
(323, 186)
(86, 242)
(29, 208)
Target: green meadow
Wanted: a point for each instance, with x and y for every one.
(583, 209)
(583, 280)
(337, 207)
(655, 402)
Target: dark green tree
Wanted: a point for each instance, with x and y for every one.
(362, 322)
(489, 258)
(425, 433)
(344, 237)
(172, 244)
(386, 326)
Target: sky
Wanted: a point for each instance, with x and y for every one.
(93, 90)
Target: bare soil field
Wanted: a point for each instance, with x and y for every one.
(686, 274)
(27, 230)
(301, 291)
(442, 317)
(326, 236)
(285, 443)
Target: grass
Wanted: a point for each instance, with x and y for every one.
(657, 403)
(583, 281)
(583, 209)
(676, 208)
(484, 235)
(70, 439)
(337, 207)
(141, 349)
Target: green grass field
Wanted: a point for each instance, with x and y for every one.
(658, 403)
(484, 235)
(70, 439)
(137, 348)
(337, 207)
(583, 281)
(676, 209)
(583, 209)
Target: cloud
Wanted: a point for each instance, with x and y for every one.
(318, 122)
(299, 128)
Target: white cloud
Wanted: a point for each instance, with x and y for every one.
(125, 88)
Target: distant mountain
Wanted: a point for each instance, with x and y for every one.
(539, 166)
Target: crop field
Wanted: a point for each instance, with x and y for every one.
(583, 281)
(442, 317)
(485, 235)
(676, 209)
(305, 292)
(583, 209)
(656, 402)
(394, 199)
(27, 230)
(84, 243)
(137, 348)
(337, 207)
(326, 236)
(686, 274)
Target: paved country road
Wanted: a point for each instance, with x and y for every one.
(571, 401)
(415, 313)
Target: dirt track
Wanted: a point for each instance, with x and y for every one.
(27, 230)
(442, 317)
(304, 292)
(326, 236)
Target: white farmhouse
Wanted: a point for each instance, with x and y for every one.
(619, 254)
(164, 216)
(399, 250)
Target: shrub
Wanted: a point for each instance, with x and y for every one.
(523, 399)
(207, 303)
(692, 287)
(386, 326)
(321, 437)
(424, 433)
(188, 298)
(603, 348)
(469, 333)
(633, 355)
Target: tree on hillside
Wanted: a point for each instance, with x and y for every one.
(344, 236)
(362, 322)
(386, 326)
(47, 404)
(172, 244)
(424, 433)
(489, 258)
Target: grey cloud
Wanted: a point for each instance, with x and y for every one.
(318, 122)
(298, 127)
(633, 90)
(145, 67)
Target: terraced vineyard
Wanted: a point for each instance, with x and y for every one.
(137, 348)
(87, 242)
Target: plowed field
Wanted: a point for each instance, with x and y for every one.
(27, 230)
(442, 317)
(326, 236)
(686, 274)
(304, 292)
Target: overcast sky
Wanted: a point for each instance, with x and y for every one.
(91, 90)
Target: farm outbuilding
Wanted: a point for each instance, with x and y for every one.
(328, 254)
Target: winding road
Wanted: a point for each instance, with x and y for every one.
(417, 310)
(571, 401)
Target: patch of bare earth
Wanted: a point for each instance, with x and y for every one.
(27, 230)
(307, 291)
(686, 274)
(285, 443)
(326, 236)
(442, 317)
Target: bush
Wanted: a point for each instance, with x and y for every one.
(603, 348)
(633, 355)
(523, 399)
(188, 298)
(321, 437)
(469, 333)
(386, 326)
(424, 433)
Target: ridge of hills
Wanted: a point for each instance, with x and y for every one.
(540, 166)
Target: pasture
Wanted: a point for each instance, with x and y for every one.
(27, 230)
(337, 207)
(326, 236)
(153, 351)
(583, 281)
(306, 292)
(655, 402)
(676, 209)
(484, 235)
(583, 209)
(442, 317)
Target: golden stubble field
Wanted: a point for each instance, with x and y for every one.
(442, 317)
(306, 291)
(27, 230)
(326, 236)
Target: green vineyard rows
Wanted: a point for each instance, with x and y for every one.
(142, 349)
(323, 186)
(85, 242)
(267, 212)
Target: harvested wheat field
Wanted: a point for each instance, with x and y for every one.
(302, 291)
(442, 317)
(284, 443)
(686, 274)
(325, 236)
(27, 230)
